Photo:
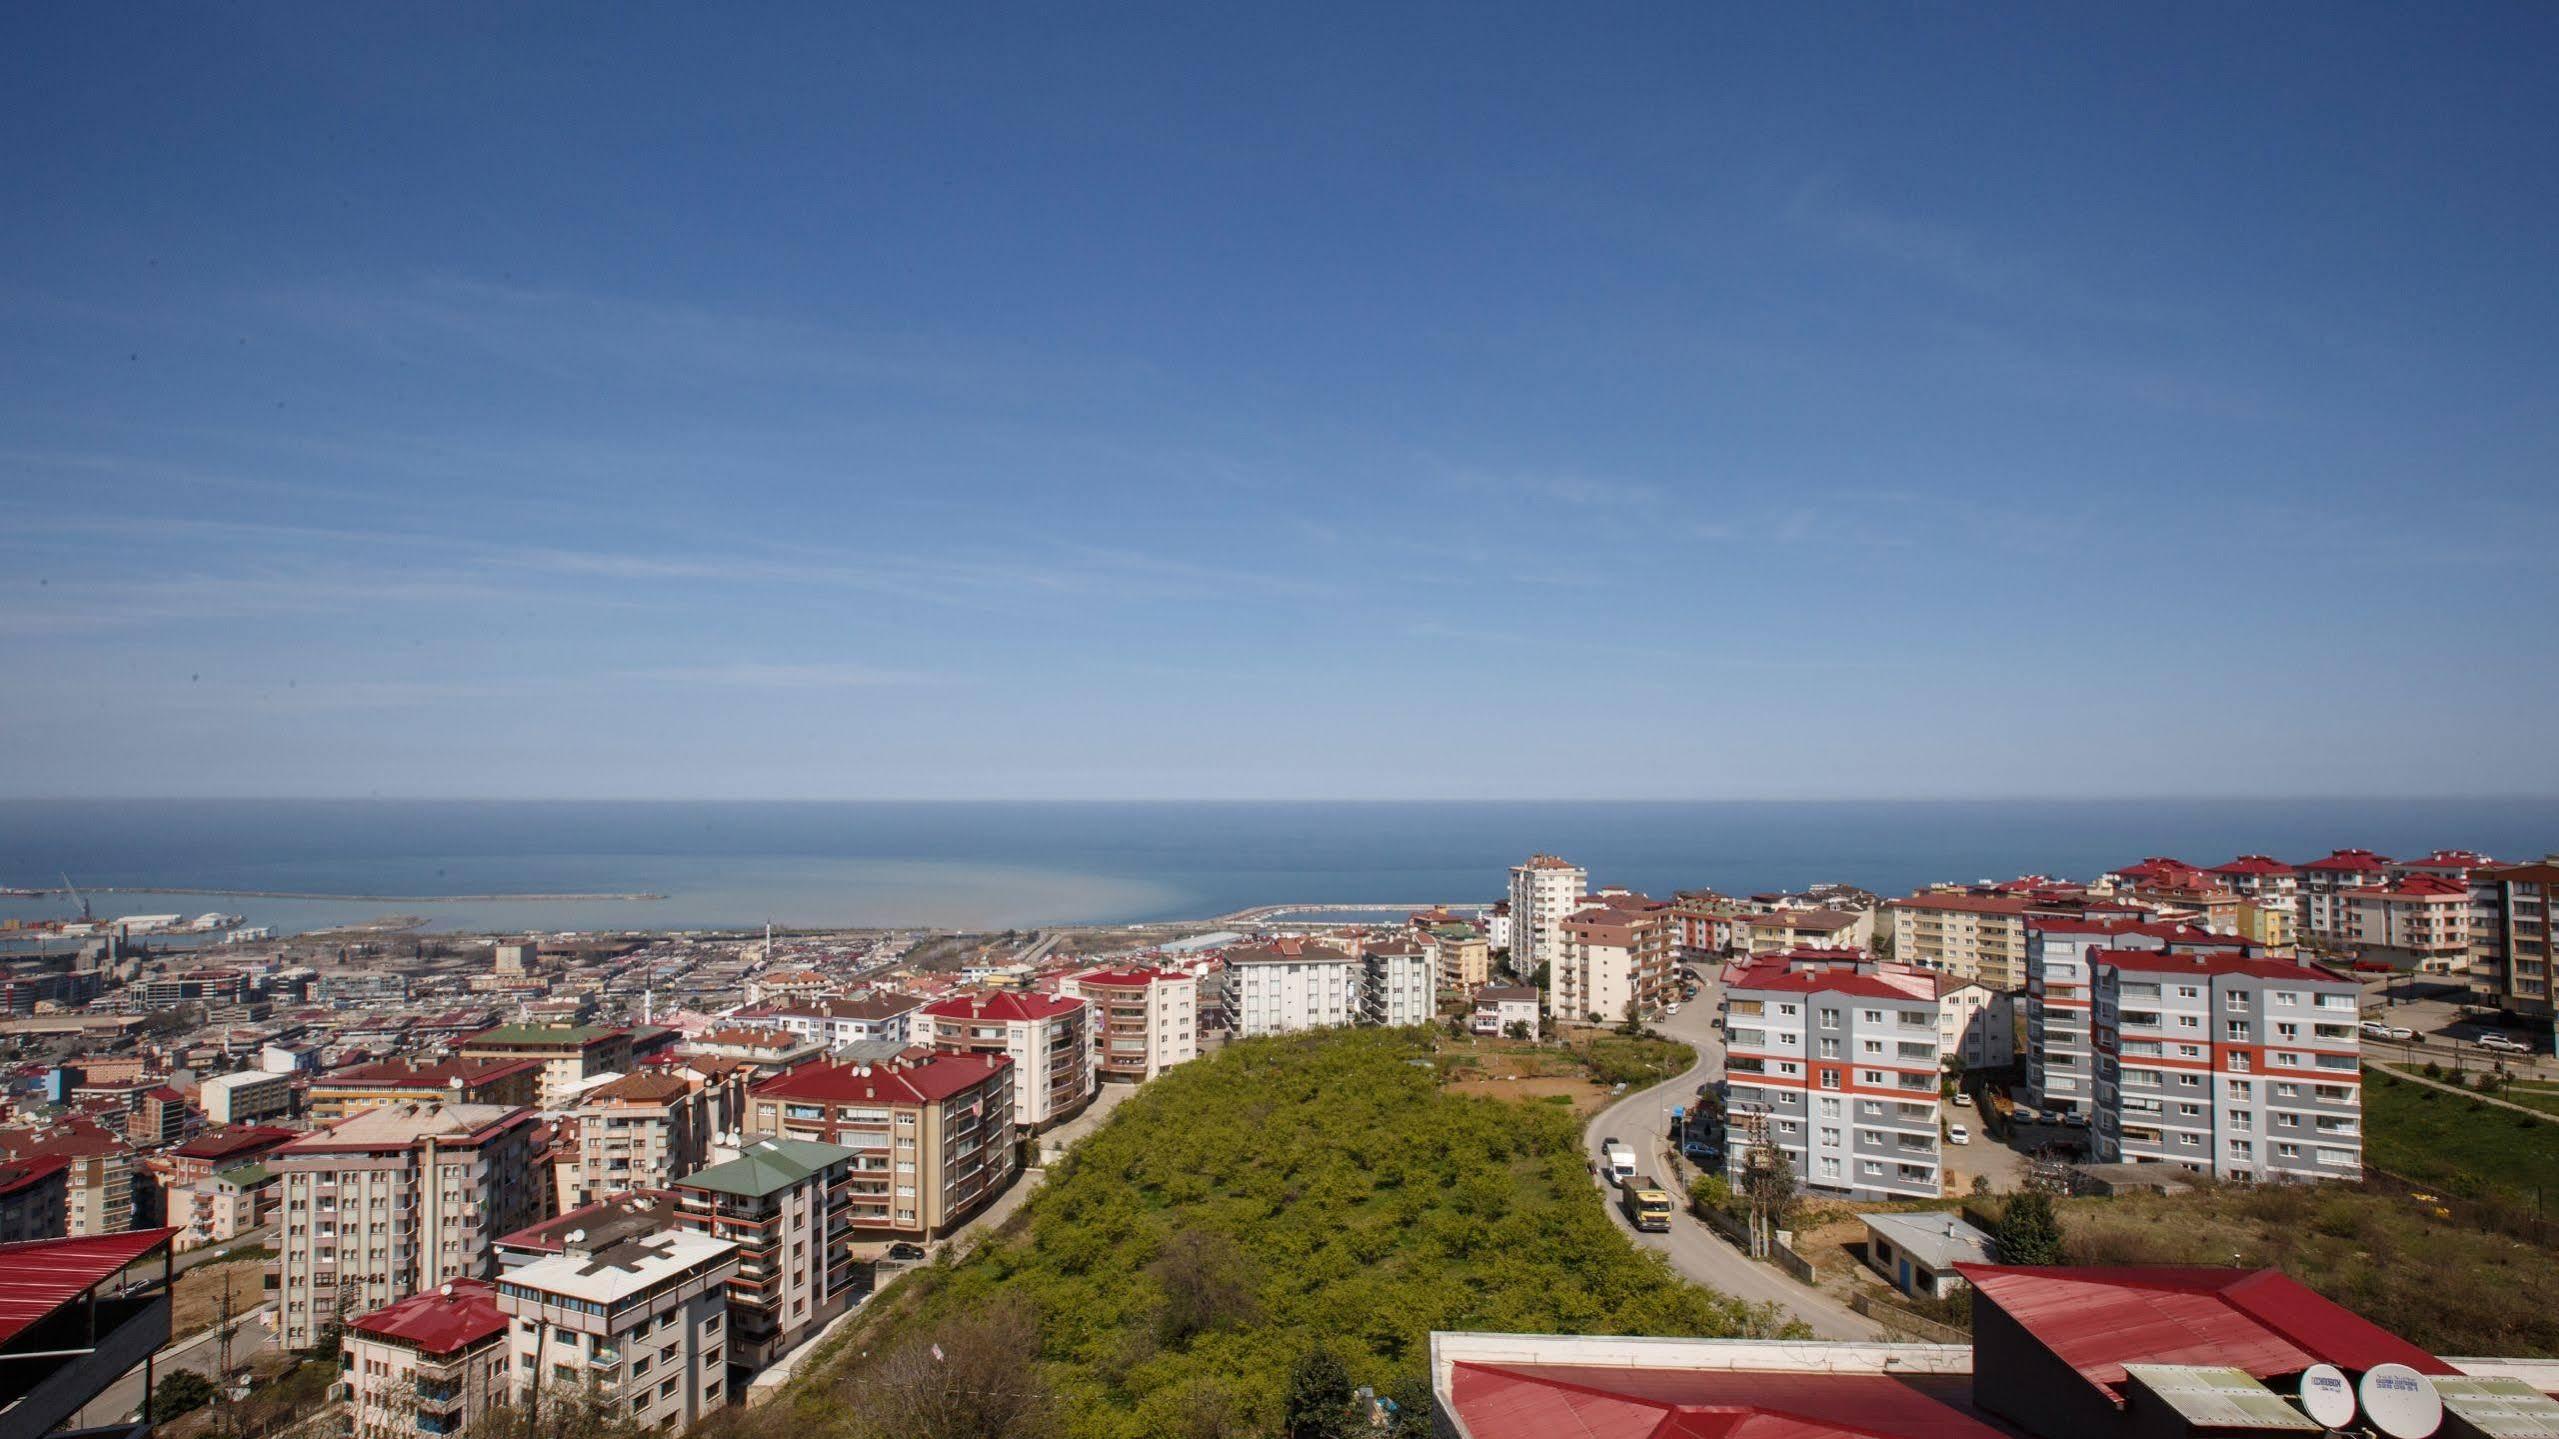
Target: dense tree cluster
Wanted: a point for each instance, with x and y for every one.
(1315, 1194)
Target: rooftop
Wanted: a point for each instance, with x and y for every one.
(768, 1166)
(1007, 1006)
(609, 1220)
(41, 1275)
(543, 1036)
(622, 1270)
(443, 1320)
(399, 1125)
(927, 1081)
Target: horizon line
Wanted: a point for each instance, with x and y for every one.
(2041, 798)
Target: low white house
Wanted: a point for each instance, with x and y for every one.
(1919, 1252)
(1498, 1007)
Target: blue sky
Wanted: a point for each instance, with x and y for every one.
(1114, 402)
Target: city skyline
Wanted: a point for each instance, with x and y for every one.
(1456, 404)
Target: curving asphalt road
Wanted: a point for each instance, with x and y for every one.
(1642, 1119)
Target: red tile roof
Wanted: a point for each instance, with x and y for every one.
(2357, 860)
(41, 1275)
(17, 1174)
(2099, 1320)
(929, 1082)
(1128, 976)
(440, 1321)
(1829, 979)
(2185, 934)
(235, 1139)
(1003, 1005)
(1963, 903)
(2256, 864)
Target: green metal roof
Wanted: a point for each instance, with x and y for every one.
(247, 1176)
(532, 1034)
(766, 1166)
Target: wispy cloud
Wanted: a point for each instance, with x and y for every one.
(749, 675)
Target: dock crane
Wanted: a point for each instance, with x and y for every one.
(74, 891)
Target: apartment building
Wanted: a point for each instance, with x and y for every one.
(343, 1092)
(433, 1363)
(644, 1130)
(1049, 1038)
(880, 1016)
(644, 1322)
(1399, 982)
(945, 1123)
(98, 1177)
(2324, 885)
(1970, 936)
(1289, 986)
(1837, 1066)
(1702, 921)
(249, 1097)
(35, 1198)
(2061, 1053)
(1144, 1020)
(2487, 914)
(2519, 979)
(1976, 1023)
(2416, 921)
(2263, 880)
(1776, 931)
(1544, 893)
(1459, 953)
(2235, 1067)
(787, 1204)
(392, 1201)
(570, 1054)
(1616, 960)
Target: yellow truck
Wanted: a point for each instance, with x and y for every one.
(1647, 1204)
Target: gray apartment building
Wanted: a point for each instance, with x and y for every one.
(1836, 1063)
(2235, 1067)
(2061, 1058)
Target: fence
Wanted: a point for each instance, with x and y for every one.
(1894, 1316)
(1793, 1263)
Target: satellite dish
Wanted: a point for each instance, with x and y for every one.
(2400, 1402)
(2327, 1397)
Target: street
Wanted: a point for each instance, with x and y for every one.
(251, 1335)
(1642, 1119)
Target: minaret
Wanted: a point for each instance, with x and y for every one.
(768, 941)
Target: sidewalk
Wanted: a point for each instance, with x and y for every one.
(2396, 1072)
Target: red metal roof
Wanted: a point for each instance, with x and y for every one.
(2184, 962)
(1544, 1401)
(2099, 1320)
(1003, 1006)
(41, 1275)
(929, 1082)
(460, 1314)
(1128, 976)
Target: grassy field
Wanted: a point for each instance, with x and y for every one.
(2466, 1146)
(197, 1295)
(2449, 1289)
(1634, 1061)
(1326, 1188)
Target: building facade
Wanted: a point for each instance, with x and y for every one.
(433, 1363)
(393, 1201)
(1399, 982)
(570, 1054)
(1291, 986)
(1049, 1038)
(1144, 1020)
(643, 1323)
(249, 1097)
(2061, 1051)
(1837, 1066)
(1970, 936)
(2519, 978)
(642, 1131)
(787, 1204)
(935, 1135)
(1544, 893)
(2324, 885)
(2234, 1067)
(1616, 961)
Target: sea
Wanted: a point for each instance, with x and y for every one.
(458, 865)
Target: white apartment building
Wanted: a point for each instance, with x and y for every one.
(1836, 1064)
(396, 1200)
(2061, 1058)
(1498, 1007)
(1616, 960)
(1050, 1039)
(1399, 982)
(644, 1321)
(2234, 1067)
(1145, 1020)
(879, 1016)
(1291, 986)
(248, 1097)
(1544, 893)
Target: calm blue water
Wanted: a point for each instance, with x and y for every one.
(1010, 864)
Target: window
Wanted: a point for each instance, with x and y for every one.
(1830, 1079)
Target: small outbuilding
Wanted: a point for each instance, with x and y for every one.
(1918, 1252)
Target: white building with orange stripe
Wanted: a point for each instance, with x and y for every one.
(2235, 1067)
(1839, 1062)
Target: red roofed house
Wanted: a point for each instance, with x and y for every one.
(427, 1364)
(2487, 910)
(1145, 1020)
(2419, 922)
(1049, 1038)
(2055, 1353)
(2228, 1065)
(946, 1119)
(1835, 1064)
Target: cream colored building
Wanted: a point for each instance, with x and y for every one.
(393, 1201)
(644, 1321)
(1969, 936)
(248, 1097)
(644, 1130)
(1615, 963)
(1048, 1036)
(1145, 1021)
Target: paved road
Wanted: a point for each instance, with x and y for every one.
(250, 1335)
(1642, 1119)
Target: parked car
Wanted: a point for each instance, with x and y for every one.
(1958, 1134)
(2503, 1045)
(1963, 1099)
(2375, 1029)
(1673, 1009)
(906, 1253)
